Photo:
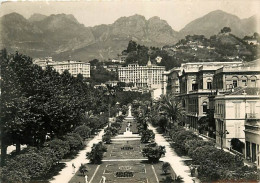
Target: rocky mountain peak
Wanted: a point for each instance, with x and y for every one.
(36, 17)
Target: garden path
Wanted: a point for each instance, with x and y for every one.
(177, 163)
(67, 173)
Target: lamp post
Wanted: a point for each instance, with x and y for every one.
(117, 108)
(221, 134)
(109, 93)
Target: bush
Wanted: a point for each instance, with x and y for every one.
(28, 165)
(166, 167)
(147, 136)
(153, 152)
(208, 157)
(83, 130)
(83, 169)
(107, 137)
(49, 156)
(74, 140)
(59, 147)
(96, 154)
(116, 125)
(15, 176)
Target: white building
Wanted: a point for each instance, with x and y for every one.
(74, 67)
(149, 76)
(233, 115)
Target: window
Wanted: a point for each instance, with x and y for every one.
(253, 82)
(183, 103)
(209, 85)
(205, 107)
(234, 83)
(237, 110)
(195, 86)
(244, 82)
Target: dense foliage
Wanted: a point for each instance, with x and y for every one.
(97, 153)
(147, 136)
(208, 157)
(196, 48)
(153, 152)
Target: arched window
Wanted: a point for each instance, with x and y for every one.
(205, 106)
(194, 85)
(253, 81)
(235, 81)
(244, 81)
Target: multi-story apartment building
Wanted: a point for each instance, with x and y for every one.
(196, 85)
(229, 77)
(237, 116)
(74, 67)
(42, 61)
(149, 76)
(173, 83)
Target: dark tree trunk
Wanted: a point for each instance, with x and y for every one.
(18, 146)
(3, 152)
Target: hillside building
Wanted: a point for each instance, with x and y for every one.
(74, 67)
(149, 76)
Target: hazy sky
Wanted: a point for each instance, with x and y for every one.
(176, 12)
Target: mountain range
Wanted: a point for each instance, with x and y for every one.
(62, 36)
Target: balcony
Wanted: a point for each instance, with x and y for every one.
(252, 116)
(202, 91)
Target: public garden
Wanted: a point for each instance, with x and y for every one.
(124, 161)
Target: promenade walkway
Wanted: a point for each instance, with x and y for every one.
(170, 156)
(67, 173)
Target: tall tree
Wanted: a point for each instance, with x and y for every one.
(172, 108)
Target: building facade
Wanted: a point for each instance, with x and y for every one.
(74, 67)
(149, 76)
(237, 116)
(195, 86)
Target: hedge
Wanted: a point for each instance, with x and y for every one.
(213, 164)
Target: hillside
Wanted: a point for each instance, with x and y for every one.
(61, 35)
(212, 22)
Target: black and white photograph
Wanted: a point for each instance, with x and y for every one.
(130, 91)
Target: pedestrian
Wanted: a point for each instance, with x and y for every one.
(73, 166)
(86, 179)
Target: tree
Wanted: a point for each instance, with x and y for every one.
(172, 108)
(107, 137)
(83, 131)
(147, 136)
(96, 154)
(225, 30)
(83, 169)
(74, 140)
(153, 152)
(162, 123)
(166, 167)
(59, 147)
(168, 179)
(32, 164)
(132, 46)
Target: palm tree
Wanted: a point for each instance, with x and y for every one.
(172, 108)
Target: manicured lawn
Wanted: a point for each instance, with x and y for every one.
(116, 170)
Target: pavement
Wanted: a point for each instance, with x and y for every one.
(176, 162)
(67, 173)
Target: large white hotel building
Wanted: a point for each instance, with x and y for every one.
(150, 76)
(74, 67)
